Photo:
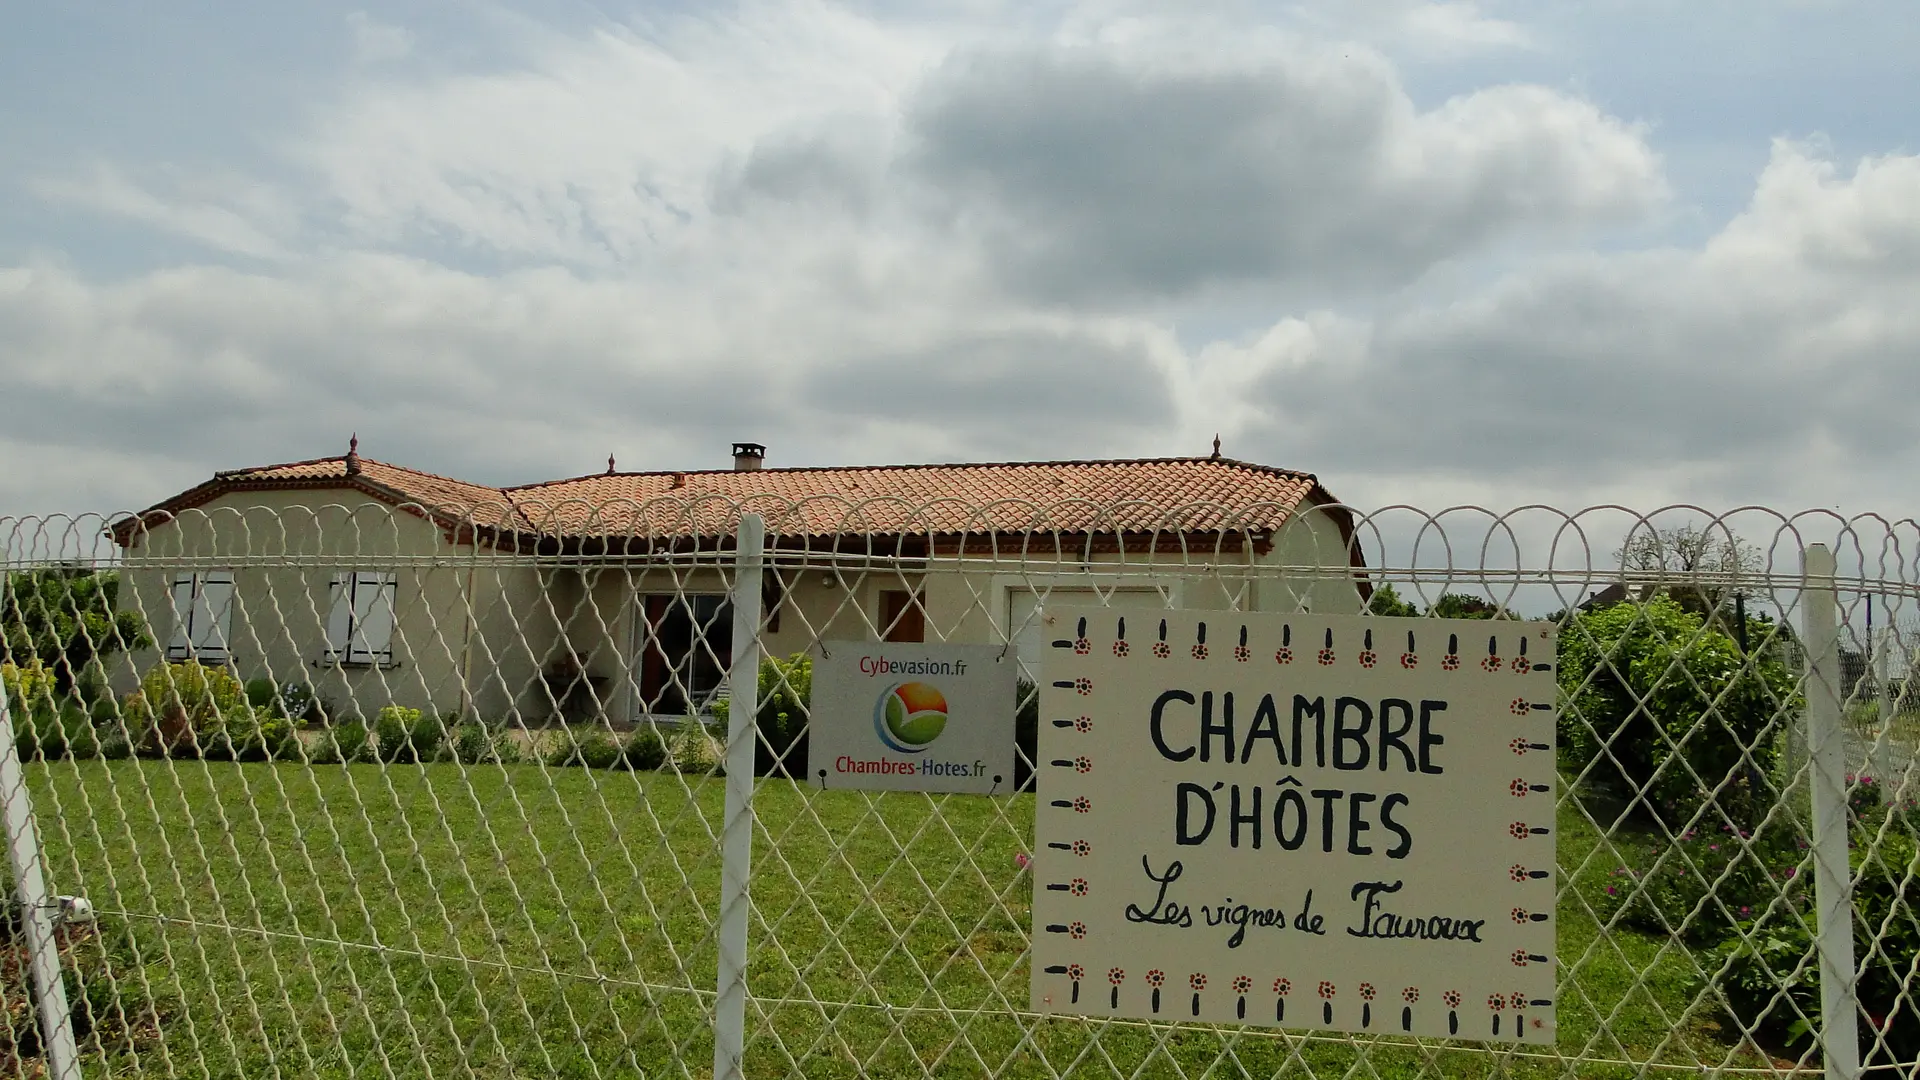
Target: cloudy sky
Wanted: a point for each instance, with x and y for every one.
(1614, 250)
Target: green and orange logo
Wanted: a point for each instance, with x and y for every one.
(909, 716)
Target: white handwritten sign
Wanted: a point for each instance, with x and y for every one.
(1308, 821)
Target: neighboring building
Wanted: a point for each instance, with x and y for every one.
(378, 584)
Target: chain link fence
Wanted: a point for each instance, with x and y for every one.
(366, 791)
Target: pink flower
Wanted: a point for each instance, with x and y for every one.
(1022, 860)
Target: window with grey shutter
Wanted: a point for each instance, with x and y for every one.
(202, 616)
(360, 617)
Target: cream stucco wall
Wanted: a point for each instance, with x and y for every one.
(467, 621)
(476, 628)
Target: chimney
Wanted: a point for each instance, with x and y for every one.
(748, 456)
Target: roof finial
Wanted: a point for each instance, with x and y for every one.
(1216, 446)
(609, 464)
(353, 454)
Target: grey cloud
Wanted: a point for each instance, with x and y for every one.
(525, 377)
(1778, 378)
(1048, 393)
(839, 166)
(1091, 173)
(496, 380)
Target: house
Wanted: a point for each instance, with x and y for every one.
(606, 594)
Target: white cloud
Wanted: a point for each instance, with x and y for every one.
(1442, 29)
(1804, 211)
(600, 150)
(1458, 27)
(375, 42)
(227, 213)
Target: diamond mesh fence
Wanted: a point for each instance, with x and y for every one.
(377, 791)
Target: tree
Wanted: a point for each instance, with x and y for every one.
(1387, 601)
(1689, 553)
(1661, 708)
(1455, 605)
(65, 617)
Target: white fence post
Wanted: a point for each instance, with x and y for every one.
(36, 913)
(1832, 875)
(736, 838)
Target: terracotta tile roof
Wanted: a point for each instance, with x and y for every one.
(452, 503)
(1068, 496)
(1146, 495)
(425, 488)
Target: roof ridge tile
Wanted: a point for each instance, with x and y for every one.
(924, 467)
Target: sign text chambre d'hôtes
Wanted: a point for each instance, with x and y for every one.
(1310, 821)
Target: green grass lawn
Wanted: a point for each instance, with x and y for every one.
(492, 922)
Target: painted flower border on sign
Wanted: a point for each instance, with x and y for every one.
(1305, 825)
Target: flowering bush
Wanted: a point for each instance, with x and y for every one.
(1706, 886)
(1865, 797)
(193, 710)
(1772, 977)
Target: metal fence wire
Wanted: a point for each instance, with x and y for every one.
(375, 791)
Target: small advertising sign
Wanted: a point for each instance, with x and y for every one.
(913, 717)
(1306, 821)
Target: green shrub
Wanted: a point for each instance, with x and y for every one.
(46, 724)
(506, 749)
(406, 736)
(52, 733)
(471, 744)
(1905, 815)
(263, 694)
(785, 688)
(269, 739)
(28, 686)
(66, 618)
(593, 748)
(184, 708)
(105, 712)
(645, 750)
(346, 742)
(694, 750)
(1652, 698)
(475, 744)
(114, 744)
